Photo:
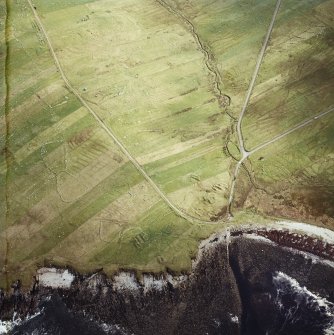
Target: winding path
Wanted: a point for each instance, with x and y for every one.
(273, 140)
(108, 130)
(245, 153)
(253, 80)
(212, 69)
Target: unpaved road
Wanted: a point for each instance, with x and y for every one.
(255, 74)
(300, 125)
(243, 151)
(245, 154)
(108, 130)
(273, 140)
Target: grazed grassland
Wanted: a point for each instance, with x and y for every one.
(296, 79)
(233, 31)
(295, 83)
(71, 191)
(143, 73)
(294, 177)
(169, 79)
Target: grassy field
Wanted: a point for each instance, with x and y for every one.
(158, 74)
(71, 192)
(142, 72)
(296, 79)
(233, 31)
(294, 177)
(3, 51)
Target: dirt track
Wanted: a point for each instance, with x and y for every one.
(211, 68)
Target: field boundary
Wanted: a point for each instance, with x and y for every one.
(6, 151)
(223, 99)
(242, 149)
(109, 131)
(245, 153)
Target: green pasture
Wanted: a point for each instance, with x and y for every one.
(70, 196)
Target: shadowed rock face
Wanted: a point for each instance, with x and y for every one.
(252, 287)
(271, 282)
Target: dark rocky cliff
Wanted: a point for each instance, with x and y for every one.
(249, 285)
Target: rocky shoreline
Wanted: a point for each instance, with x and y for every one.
(246, 281)
(305, 243)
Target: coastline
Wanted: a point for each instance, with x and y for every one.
(219, 263)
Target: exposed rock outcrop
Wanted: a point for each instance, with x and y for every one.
(245, 282)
